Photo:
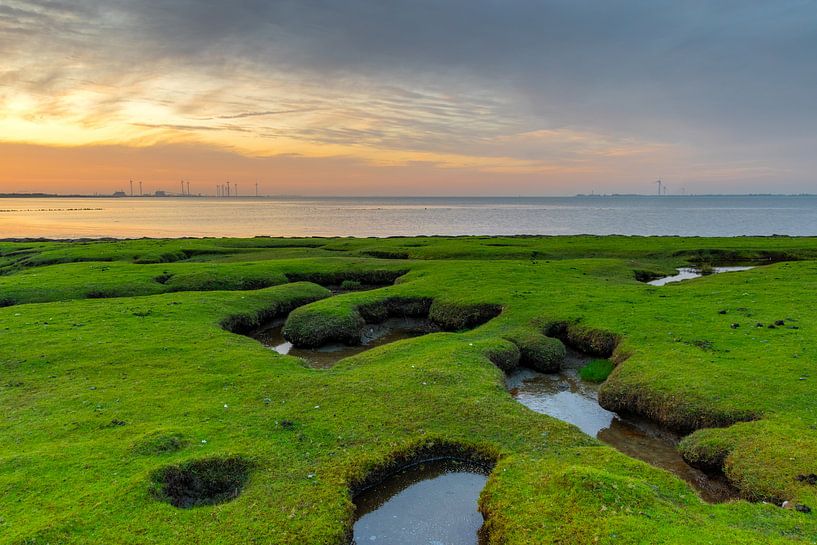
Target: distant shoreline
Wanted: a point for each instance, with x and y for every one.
(429, 197)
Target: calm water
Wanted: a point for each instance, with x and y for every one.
(434, 503)
(686, 273)
(565, 396)
(171, 217)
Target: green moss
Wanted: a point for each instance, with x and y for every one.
(379, 310)
(456, 316)
(158, 443)
(162, 358)
(311, 327)
(592, 341)
(502, 353)
(596, 370)
(297, 295)
(540, 353)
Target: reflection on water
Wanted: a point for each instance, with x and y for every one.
(388, 216)
(433, 503)
(373, 335)
(687, 273)
(566, 397)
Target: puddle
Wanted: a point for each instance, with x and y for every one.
(565, 396)
(688, 273)
(389, 331)
(433, 503)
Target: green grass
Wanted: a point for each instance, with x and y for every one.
(114, 383)
(596, 370)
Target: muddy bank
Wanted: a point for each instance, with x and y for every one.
(373, 335)
(565, 396)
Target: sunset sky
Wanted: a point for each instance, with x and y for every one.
(419, 97)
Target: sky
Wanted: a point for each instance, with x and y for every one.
(409, 97)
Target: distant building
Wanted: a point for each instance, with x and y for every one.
(160, 194)
(119, 194)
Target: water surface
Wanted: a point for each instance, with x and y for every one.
(434, 503)
(565, 396)
(389, 216)
(687, 273)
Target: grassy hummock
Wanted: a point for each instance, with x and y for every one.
(127, 395)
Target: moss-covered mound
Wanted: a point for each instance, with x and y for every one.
(538, 352)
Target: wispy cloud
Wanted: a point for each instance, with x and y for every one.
(607, 89)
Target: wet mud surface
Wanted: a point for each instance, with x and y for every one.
(391, 330)
(565, 396)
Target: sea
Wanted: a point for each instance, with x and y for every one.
(134, 217)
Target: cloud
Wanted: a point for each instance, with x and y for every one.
(593, 85)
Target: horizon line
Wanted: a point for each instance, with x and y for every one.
(34, 194)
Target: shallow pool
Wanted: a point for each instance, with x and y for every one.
(433, 503)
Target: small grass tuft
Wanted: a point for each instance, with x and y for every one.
(350, 285)
(596, 370)
(158, 443)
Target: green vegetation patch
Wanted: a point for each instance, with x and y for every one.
(596, 370)
(158, 443)
(123, 382)
(538, 352)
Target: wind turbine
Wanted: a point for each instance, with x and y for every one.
(660, 185)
